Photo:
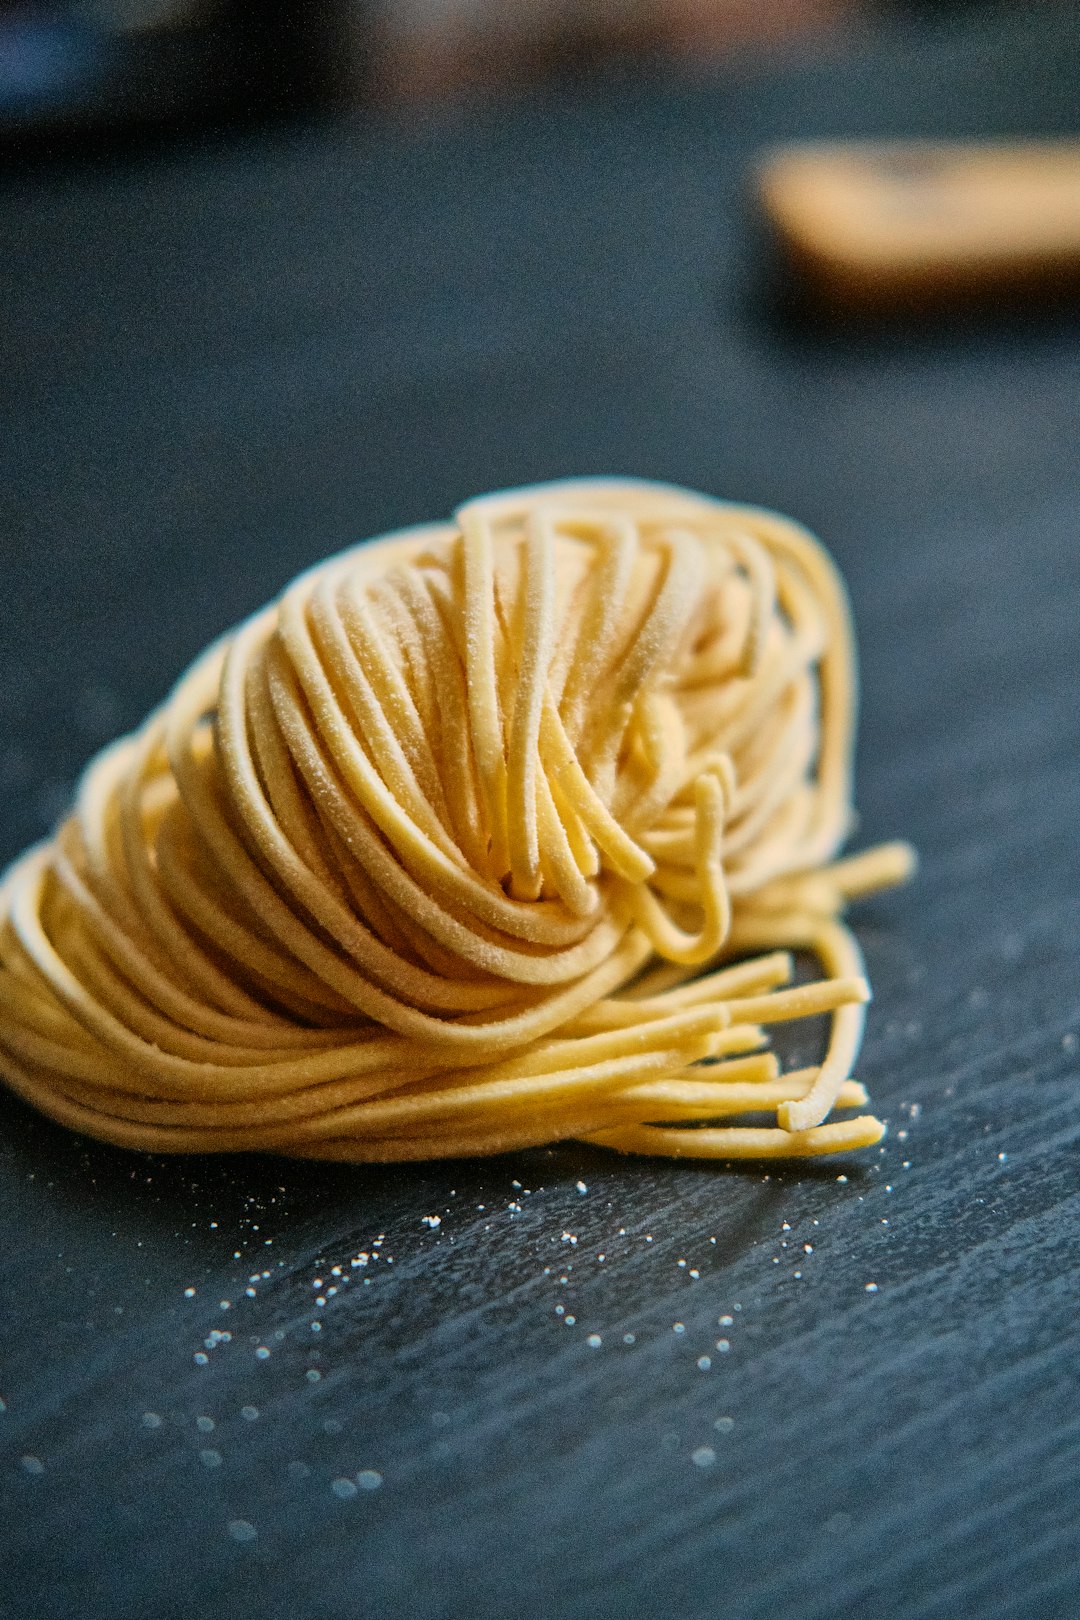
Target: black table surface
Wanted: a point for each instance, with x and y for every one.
(598, 1386)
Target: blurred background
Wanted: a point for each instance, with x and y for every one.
(80, 65)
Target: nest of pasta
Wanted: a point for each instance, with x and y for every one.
(488, 834)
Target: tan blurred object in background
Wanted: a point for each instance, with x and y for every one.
(436, 50)
(866, 226)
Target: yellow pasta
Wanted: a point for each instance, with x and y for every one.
(488, 834)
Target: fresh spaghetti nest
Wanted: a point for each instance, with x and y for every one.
(466, 845)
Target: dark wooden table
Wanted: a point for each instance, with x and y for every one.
(221, 363)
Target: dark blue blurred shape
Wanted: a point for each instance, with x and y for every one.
(47, 57)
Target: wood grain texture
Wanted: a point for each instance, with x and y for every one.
(220, 365)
